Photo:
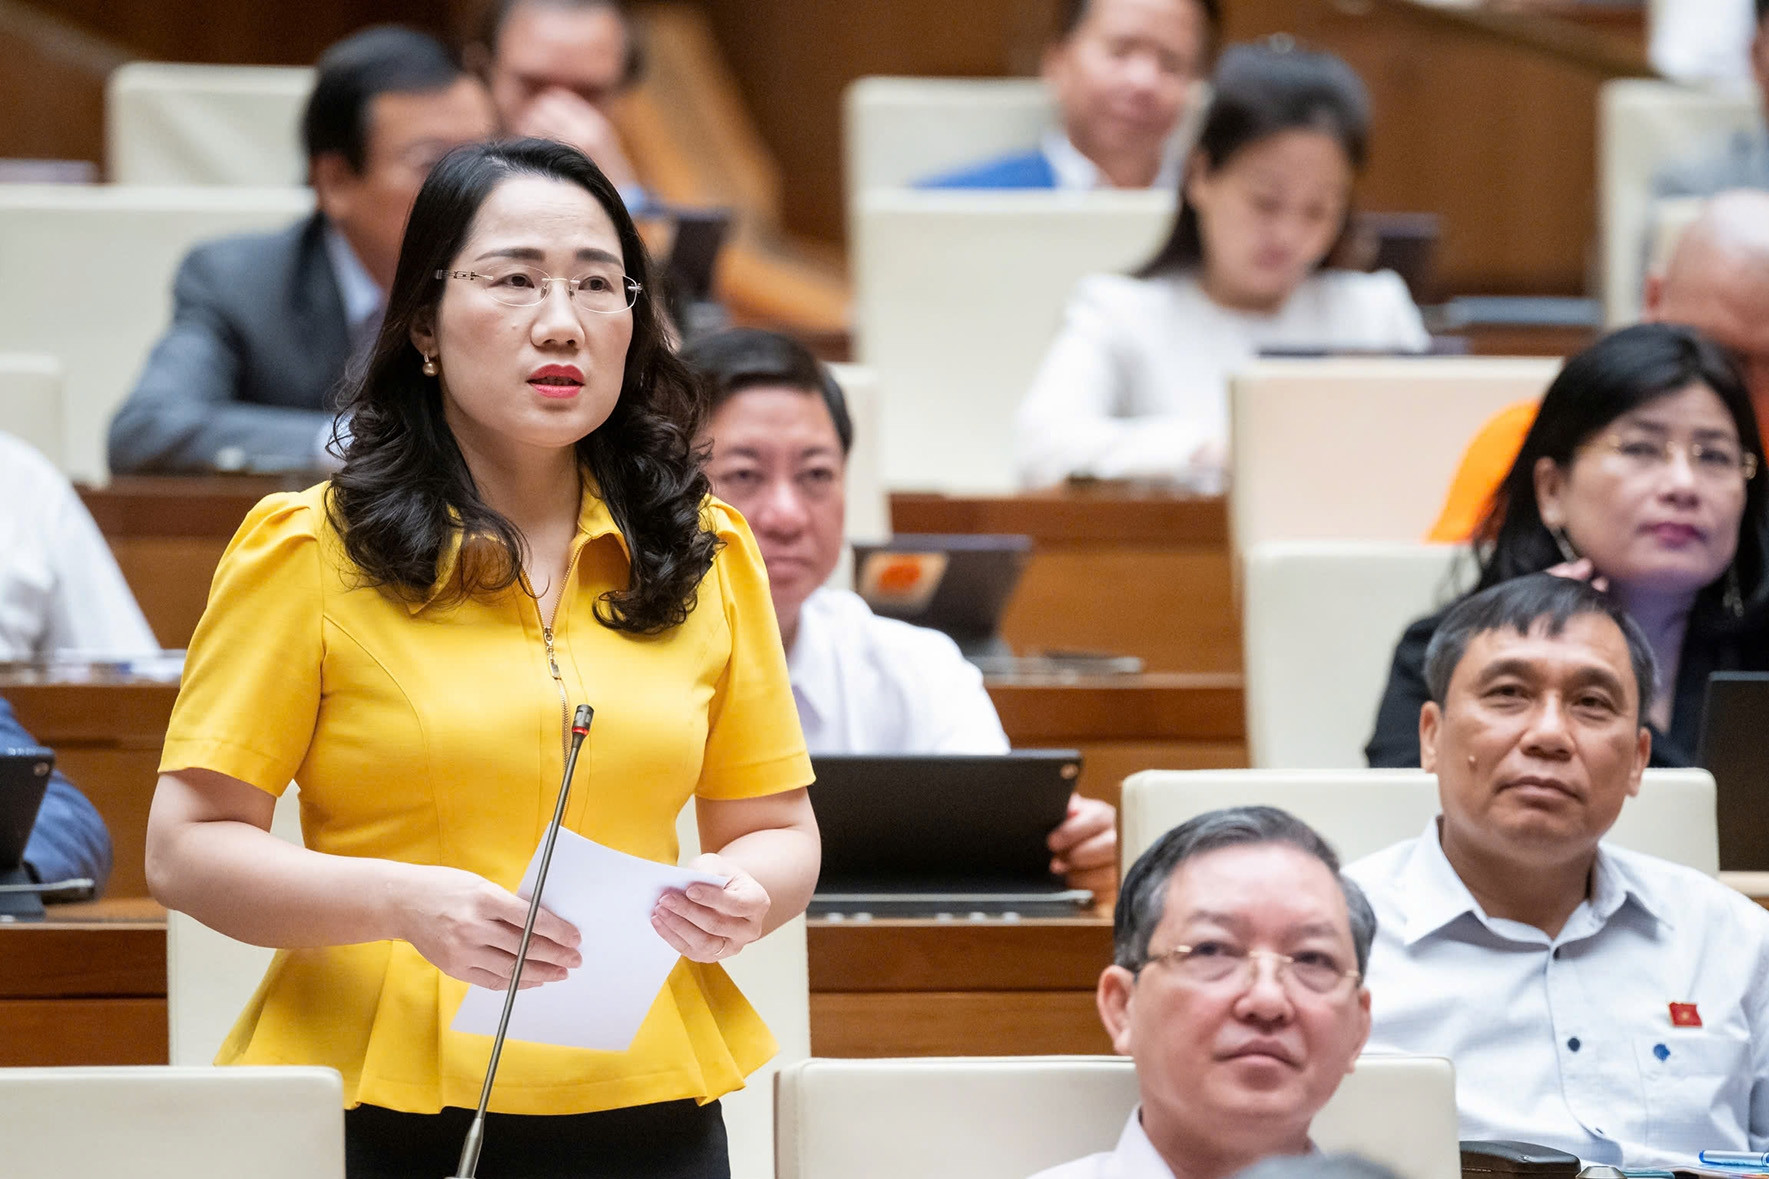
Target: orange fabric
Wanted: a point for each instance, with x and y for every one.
(1484, 466)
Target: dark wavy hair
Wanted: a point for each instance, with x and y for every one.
(405, 490)
(1260, 91)
(1620, 373)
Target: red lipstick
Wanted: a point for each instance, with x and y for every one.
(556, 380)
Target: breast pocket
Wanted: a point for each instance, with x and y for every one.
(1697, 1089)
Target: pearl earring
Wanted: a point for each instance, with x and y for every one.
(430, 368)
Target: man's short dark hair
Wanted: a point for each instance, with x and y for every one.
(1073, 12)
(1762, 11)
(1521, 605)
(386, 59)
(745, 358)
(498, 14)
(1143, 900)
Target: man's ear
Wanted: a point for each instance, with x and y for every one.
(334, 184)
(1652, 295)
(1642, 759)
(1116, 989)
(1430, 723)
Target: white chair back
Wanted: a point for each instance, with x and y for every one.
(957, 297)
(1320, 619)
(1364, 811)
(774, 974)
(1643, 126)
(1354, 448)
(868, 506)
(165, 1122)
(210, 977)
(89, 273)
(30, 401)
(1008, 1117)
(168, 123)
(900, 131)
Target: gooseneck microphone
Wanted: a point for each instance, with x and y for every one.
(469, 1164)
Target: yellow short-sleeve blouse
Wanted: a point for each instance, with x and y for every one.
(434, 734)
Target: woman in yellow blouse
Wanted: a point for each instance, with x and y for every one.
(519, 526)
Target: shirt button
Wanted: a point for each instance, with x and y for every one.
(1573, 1043)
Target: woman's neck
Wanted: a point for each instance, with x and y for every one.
(534, 489)
(1664, 619)
(1230, 299)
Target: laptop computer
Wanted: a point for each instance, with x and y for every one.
(958, 584)
(927, 835)
(1734, 751)
(24, 779)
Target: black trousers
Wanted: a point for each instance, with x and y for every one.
(669, 1140)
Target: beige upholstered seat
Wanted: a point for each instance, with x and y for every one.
(169, 123)
(1349, 448)
(1007, 1117)
(165, 1122)
(1364, 811)
(1319, 621)
(89, 273)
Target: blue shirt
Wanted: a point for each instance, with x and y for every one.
(69, 839)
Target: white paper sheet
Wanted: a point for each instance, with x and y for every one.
(609, 896)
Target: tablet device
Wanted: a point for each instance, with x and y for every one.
(24, 779)
(1734, 750)
(923, 835)
(958, 584)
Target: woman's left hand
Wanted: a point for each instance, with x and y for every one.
(707, 923)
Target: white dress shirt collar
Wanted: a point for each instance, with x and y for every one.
(1076, 172)
(361, 295)
(1432, 896)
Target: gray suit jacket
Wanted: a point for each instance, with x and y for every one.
(251, 364)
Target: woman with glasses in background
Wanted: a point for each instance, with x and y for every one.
(520, 526)
(1642, 473)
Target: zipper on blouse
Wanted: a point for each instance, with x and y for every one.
(553, 655)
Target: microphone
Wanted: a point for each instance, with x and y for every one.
(469, 1164)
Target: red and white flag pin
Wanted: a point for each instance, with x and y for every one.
(1684, 1015)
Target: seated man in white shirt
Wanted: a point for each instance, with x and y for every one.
(778, 438)
(1593, 999)
(1236, 986)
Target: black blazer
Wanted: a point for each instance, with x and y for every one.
(252, 361)
(1395, 743)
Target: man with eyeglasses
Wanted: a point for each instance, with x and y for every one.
(1596, 1000)
(265, 325)
(1236, 986)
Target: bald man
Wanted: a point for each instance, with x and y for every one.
(1716, 281)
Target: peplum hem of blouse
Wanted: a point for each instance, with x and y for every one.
(379, 1014)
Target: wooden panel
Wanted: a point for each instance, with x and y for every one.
(1105, 764)
(56, 959)
(107, 738)
(59, 1032)
(920, 955)
(1112, 571)
(1197, 707)
(965, 1023)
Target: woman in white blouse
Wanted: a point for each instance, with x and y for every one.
(1136, 384)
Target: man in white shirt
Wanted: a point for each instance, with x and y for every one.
(1593, 999)
(1119, 73)
(61, 593)
(778, 438)
(1236, 986)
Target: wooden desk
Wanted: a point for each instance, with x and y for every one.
(107, 738)
(85, 986)
(168, 534)
(1112, 570)
(88, 986)
(927, 988)
(1122, 724)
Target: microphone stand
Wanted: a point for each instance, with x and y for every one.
(469, 1164)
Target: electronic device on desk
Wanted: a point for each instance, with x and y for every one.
(943, 835)
(1734, 751)
(24, 779)
(958, 584)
